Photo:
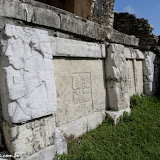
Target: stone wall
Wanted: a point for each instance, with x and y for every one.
(61, 75)
(28, 93)
(129, 24)
(100, 11)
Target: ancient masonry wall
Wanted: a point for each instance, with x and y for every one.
(62, 74)
(129, 24)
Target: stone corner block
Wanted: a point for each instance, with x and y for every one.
(115, 115)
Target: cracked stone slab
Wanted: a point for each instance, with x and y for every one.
(73, 48)
(115, 115)
(27, 77)
(31, 137)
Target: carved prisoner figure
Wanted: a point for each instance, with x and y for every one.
(27, 74)
(117, 78)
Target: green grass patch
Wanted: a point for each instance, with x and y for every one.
(136, 137)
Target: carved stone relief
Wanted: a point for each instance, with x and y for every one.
(80, 89)
(117, 78)
(148, 73)
(27, 78)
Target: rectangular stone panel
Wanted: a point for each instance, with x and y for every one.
(117, 78)
(80, 89)
(131, 77)
(27, 77)
(31, 137)
(73, 48)
(138, 76)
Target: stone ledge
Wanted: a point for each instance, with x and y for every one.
(73, 48)
(55, 18)
(115, 115)
(121, 38)
(78, 128)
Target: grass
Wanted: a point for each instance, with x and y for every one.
(136, 137)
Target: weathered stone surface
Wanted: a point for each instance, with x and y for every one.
(148, 72)
(117, 80)
(103, 12)
(46, 17)
(121, 38)
(131, 53)
(135, 76)
(60, 146)
(83, 27)
(131, 77)
(115, 115)
(27, 78)
(49, 16)
(81, 126)
(129, 24)
(14, 9)
(30, 137)
(80, 89)
(72, 48)
(138, 69)
(139, 54)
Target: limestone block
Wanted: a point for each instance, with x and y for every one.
(131, 53)
(83, 27)
(27, 77)
(94, 120)
(81, 126)
(131, 77)
(121, 38)
(138, 69)
(148, 64)
(60, 146)
(115, 115)
(14, 9)
(74, 25)
(46, 17)
(139, 54)
(72, 48)
(127, 53)
(80, 89)
(117, 78)
(31, 137)
(148, 73)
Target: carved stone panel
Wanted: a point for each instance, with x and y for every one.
(80, 89)
(27, 78)
(31, 137)
(148, 73)
(117, 78)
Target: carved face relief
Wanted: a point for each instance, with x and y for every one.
(30, 77)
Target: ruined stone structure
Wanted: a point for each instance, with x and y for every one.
(64, 68)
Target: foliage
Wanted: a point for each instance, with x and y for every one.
(136, 137)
